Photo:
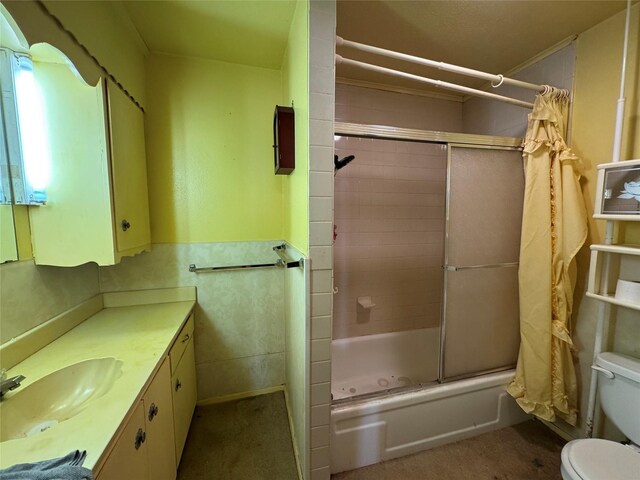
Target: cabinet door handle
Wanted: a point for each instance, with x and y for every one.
(125, 225)
(186, 338)
(178, 385)
(153, 411)
(141, 436)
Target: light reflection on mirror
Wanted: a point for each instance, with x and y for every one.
(33, 132)
(25, 131)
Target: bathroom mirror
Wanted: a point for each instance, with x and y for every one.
(10, 38)
(65, 112)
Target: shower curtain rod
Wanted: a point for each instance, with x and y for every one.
(498, 79)
(437, 83)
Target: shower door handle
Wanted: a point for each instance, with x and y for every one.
(455, 268)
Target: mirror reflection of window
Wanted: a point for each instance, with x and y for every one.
(25, 129)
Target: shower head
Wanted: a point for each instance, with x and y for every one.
(338, 164)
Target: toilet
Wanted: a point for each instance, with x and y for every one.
(619, 391)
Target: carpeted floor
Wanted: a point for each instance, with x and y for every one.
(249, 439)
(528, 451)
(246, 439)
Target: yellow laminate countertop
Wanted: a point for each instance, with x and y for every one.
(140, 336)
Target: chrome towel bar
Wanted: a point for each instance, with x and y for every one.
(282, 262)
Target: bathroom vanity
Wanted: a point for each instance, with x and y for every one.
(121, 380)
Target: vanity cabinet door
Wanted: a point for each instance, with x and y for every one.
(129, 173)
(159, 420)
(184, 397)
(75, 226)
(98, 204)
(128, 459)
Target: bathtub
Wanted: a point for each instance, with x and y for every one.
(365, 430)
(363, 365)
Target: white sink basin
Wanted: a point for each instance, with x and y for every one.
(56, 397)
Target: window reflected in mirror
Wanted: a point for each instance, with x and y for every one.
(25, 130)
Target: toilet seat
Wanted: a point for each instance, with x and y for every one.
(598, 459)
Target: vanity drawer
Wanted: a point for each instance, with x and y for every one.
(180, 345)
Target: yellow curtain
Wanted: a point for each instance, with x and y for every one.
(554, 227)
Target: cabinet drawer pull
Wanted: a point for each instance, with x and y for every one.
(125, 225)
(141, 436)
(153, 411)
(178, 385)
(186, 338)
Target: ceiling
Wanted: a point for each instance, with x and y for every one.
(493, 36)
(251, 32)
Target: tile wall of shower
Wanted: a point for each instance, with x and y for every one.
(389, 214)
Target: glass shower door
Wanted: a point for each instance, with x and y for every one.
(389, 215)
(484, 214)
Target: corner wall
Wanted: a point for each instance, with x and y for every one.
(295, 87)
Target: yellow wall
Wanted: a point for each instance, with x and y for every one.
(597, 84)
(295, 83)
(209, 151)
(597, 88)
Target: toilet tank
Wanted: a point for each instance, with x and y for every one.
(620, 395)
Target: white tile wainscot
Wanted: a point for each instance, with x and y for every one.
(322, 25)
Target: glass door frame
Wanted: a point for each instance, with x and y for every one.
(443, 316)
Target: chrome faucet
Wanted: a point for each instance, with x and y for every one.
(7, 384)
